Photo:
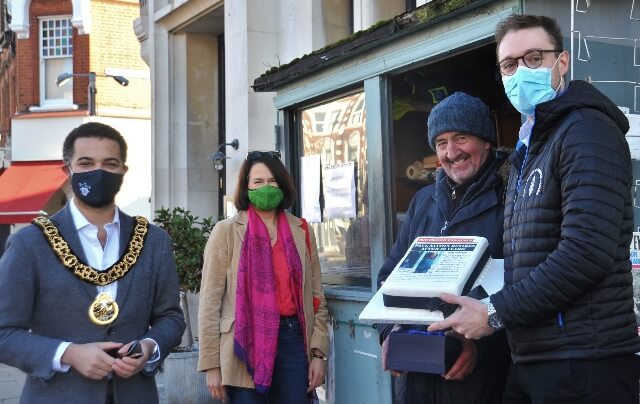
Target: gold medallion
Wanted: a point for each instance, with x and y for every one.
(103, 310)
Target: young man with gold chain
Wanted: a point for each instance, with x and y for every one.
(90, 302)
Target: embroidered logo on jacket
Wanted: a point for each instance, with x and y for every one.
(533, 186)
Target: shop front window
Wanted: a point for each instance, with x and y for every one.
(334, 187)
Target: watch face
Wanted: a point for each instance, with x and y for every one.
(494, 321)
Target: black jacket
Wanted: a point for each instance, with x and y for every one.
(568, 227)
(480, 213)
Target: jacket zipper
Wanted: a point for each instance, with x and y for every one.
(471, 198)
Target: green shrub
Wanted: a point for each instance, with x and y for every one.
(189, 236)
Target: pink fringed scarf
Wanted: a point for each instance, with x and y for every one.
(257, 317)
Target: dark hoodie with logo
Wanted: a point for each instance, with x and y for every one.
(567, 230)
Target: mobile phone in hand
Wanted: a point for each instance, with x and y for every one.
(113, 352)
(135, 350)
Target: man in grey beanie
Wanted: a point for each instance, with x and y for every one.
(466, 200)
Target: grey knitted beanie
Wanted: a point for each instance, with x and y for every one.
(461, 112)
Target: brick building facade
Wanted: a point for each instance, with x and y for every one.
(40, 41)
(7, 78)
(111, 45)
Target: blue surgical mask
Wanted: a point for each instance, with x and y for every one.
(527, 88)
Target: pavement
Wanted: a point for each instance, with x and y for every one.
(12, 380)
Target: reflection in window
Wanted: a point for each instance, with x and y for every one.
(356, 117)
(319, 116)
(342, 229)
(353, 146)
(335, 115)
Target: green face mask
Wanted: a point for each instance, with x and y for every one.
(267, 197)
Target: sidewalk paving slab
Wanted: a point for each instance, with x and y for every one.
(11, 382)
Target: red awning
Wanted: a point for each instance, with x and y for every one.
(25, 188)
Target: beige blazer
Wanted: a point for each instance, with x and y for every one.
(218, 298)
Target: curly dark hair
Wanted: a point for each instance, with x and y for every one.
(92, 129)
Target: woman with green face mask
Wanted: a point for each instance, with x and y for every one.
(263, 317)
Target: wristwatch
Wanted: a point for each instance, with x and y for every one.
(321, 357)
(317, 354)
(494, 320)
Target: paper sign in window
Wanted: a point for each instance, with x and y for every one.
(339, 191)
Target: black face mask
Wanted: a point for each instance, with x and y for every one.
(97, 188)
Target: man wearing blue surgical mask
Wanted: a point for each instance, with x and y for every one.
(567, 303)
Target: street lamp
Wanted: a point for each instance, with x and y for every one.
(220, 156)
(64, 78)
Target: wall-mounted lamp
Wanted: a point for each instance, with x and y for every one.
(219, 156)
(64, 78)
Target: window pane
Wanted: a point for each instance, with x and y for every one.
(53, 68)
(341, 223)
(57, 41)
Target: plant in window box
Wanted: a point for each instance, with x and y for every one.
(189, 236)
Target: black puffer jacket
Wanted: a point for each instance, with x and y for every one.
(568, 226)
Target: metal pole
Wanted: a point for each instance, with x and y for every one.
(92, 94)
(571, 39)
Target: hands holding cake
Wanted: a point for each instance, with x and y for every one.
(470, 320)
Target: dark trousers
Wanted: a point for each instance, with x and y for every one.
(481, 387)
(592, 381)
(290, 373)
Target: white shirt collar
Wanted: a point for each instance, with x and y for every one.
(81, 221)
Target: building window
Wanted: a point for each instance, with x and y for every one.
(334, 187)
(56, 57)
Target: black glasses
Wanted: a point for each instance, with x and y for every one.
(532, 59)
(254, 155)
